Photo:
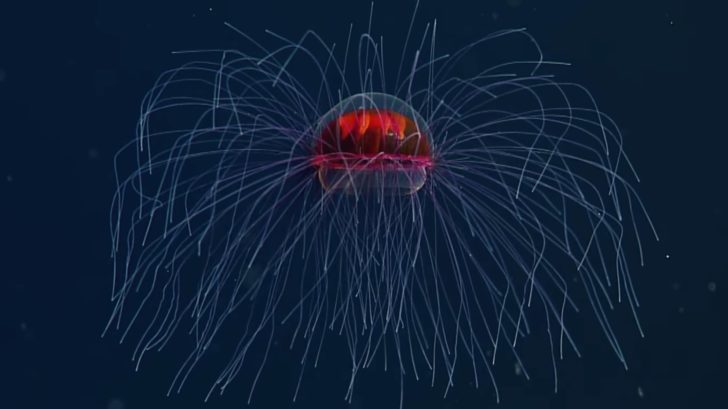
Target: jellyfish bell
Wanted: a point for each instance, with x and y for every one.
(372, 143)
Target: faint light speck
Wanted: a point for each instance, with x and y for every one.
(640, 392)
(712, 286)
(115, 404)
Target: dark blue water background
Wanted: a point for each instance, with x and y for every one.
(72, 75)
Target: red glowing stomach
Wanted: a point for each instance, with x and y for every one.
(371, 150)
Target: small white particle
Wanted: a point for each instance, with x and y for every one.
(667, 256)
(640, 392)
(712, 286)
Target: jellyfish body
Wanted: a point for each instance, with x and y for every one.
(422, 224)
(372, 144)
